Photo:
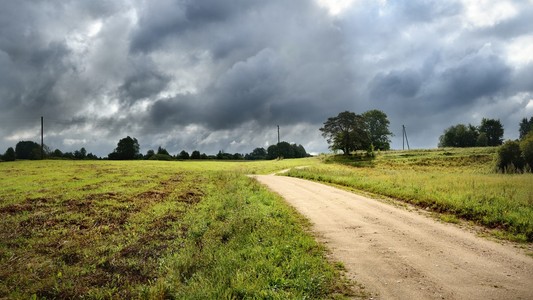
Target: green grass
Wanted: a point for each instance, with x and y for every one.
(456, 182)
(150, 229)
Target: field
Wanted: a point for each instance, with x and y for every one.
(458, 183)
(148, 229)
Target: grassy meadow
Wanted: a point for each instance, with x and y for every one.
(459, 183)
(155, 230)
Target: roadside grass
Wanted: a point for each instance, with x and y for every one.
(460, 183)
(155, 230)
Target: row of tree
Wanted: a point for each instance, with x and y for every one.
(350, 132)
(489, 133)
(128, 149)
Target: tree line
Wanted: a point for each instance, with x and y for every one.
(488, 134)
(128, 149)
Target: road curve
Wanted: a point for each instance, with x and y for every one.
(399, 254)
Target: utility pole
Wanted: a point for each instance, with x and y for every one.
(404, 138)
(278, 134)
(42, 138)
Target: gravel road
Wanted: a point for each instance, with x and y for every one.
(400, 254)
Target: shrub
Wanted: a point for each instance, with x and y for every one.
(161, 157)
(509, 158)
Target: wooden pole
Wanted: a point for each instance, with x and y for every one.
(42, 138)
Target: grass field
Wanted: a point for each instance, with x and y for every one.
(460, 183)
(149, 229)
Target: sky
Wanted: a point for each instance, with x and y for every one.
(221, 75)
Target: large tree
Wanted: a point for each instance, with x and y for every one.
(127, 148)
(494, 131)
(347, 132)
(377, 125)
(525, 127)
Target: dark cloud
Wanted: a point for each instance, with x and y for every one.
(220, 75)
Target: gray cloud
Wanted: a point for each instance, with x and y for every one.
(220, 75)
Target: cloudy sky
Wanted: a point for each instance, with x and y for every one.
(214, 75)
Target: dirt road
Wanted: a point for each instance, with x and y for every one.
(399, 254)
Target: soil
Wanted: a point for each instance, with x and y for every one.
(397, 253)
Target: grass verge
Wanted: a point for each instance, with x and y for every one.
(456, 182)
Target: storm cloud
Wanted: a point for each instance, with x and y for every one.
(214, 75)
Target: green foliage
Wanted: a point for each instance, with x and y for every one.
(183, 155)
(257, 154)
(165, 157)
(489, 133)
(273, 152)
(9, 155)
(350, 132)
(163, 151)
(454, 181)
(461, 136)
(28, 150)
(127, 149)
(196, 155)
(494, 131)
(282, 150)
(525, 127)
(346, 132)
(509, 158)
(526, 146)
(377, 125)
(482, 140)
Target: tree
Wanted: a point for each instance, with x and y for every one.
(459, 135)
(196, 154)
(494, 131)
(285, 150)
(183, 155)
(149, 154)
(28, 150)
(161, 150)
(81, 154)
(57, 153)
(377, 124)
(525, 127)
(299, 151)
(526, 146)
(9, 155)
(346, 132)
(127, 148)
(257, 154)
(272, 152)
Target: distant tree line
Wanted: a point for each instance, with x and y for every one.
(350, 132)
(488, 134)
(128, 148)
(32, 151)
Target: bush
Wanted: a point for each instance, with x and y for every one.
(161, 157)
(509, 158)
(526, 146)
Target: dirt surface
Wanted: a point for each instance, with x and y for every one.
(399, 254)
